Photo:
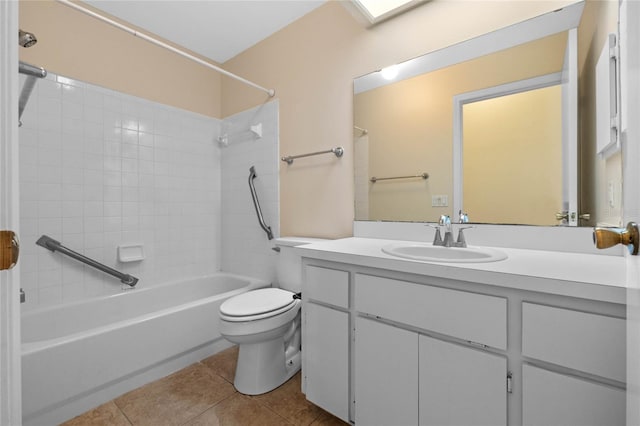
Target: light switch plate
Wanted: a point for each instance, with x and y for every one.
(439, 201)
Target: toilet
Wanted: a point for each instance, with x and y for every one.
(265, 324)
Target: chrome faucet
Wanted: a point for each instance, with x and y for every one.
(445, 221)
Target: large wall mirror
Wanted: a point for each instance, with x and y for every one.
(500, 127)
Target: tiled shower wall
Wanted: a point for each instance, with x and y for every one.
(246, 249)
(99, 169)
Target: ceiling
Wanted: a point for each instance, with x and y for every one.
(216, 29)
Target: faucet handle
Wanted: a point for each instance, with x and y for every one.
(445, 220)
(461, 240)
(437, 239)
(463, 217)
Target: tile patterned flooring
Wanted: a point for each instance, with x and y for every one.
(202, 394)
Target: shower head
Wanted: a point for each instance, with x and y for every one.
(26, 39)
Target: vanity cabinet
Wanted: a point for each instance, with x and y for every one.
(414, 379)
(460, 385)
(385, 347)
(582, 343)
(325, 334)
(551, 398)
(386, 374)
(473, 317)
(421, 379)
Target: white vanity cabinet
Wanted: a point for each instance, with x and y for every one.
(325, 334)
(386, 374)
(576, 342)
(460, 385)
(404, 376)
(388, 347)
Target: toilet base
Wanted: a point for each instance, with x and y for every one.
(264, 366)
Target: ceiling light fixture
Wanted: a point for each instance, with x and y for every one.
(389, 73)
(376, 11)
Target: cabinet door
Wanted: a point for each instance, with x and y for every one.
(386, 377)
(326, 352)
(550, 398)
(461, 385)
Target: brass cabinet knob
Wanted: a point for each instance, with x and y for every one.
(609, 237)
(9, 249)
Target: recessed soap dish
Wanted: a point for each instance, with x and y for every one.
(130, 252)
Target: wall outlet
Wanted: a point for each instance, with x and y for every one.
(439, 201)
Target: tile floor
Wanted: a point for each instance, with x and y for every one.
(202, 394)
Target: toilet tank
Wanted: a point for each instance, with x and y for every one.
(289, 264)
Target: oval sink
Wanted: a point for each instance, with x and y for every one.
(431, 253)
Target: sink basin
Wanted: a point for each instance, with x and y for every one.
(431, 253)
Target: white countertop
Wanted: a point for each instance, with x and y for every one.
(587, 276)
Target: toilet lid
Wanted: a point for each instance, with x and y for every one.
(257, 302)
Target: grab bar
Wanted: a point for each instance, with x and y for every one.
(422, 175)
(53, 245)
(338, 151)
(256, 203)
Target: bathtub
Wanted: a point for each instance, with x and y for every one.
(77, 356)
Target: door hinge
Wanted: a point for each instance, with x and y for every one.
(9, 249)
(509, 382)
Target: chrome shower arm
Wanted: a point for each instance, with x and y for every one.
(32, 72)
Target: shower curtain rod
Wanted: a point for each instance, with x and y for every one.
(270, 92)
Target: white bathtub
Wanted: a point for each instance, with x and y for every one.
(77, 356)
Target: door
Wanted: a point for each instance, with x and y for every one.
(630, 131)
(10, 386)
(551, 398)
(461, 385)
(386, 374)
(326, 368)
(570, 130)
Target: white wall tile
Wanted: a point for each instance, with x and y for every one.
(98, 169)
(246, 247)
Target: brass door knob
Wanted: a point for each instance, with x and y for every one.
(609, 237)
(562, 216)
(9, 249)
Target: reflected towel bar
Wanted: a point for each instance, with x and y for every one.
(423, 176)
(53, 245)
(338, 151)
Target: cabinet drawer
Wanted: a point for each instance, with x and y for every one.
(550, 398)
(327, 285)
(587, 342)
(469, 316)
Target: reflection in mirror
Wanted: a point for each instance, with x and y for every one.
(505, 140)
(492, 132)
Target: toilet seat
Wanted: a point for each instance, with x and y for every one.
(257, 304)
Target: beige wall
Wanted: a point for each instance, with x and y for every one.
(410, 127)
(513, 158)
(81, 47)
(311, 64)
